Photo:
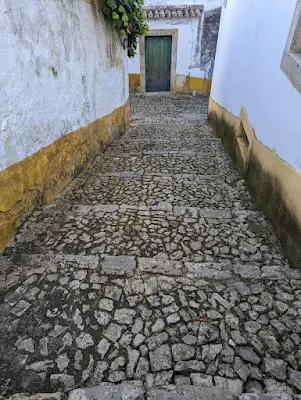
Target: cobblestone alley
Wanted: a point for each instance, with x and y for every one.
(153, 268)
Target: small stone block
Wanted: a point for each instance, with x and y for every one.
(118, 265)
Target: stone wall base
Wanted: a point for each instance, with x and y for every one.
(275, 185)
(41, 177)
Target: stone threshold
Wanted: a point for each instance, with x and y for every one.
(134, 390)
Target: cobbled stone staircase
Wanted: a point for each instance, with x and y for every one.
(153, 276)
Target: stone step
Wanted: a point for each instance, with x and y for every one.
(134, 188)
(172, 107)
(177, 177)
(187, 131)
(175, 141)
(184, 233)
(74, 321)
(166, 119)
(209, 164)
(201, 145)
(152, 153)
(128, 266)
(135, 392)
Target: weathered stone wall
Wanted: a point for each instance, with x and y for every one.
(64, 92)
(209, 40)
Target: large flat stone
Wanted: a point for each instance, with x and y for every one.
(118, 265)
(160, 358)
(159, 266)
(124, 391)
(188, 393)
(37, 396)
(210, 270)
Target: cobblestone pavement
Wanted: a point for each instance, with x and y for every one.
(154, 268)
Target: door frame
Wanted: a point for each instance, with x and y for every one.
(174, 51)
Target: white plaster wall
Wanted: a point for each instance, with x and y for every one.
(188, 55)
(247, 72)
(55, 75)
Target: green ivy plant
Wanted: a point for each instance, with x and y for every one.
(128, 21)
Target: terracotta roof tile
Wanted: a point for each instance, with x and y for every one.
(155, 12)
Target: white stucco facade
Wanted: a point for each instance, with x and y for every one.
(189, 31)
(60, 69)
(189, 46)
(248, 73)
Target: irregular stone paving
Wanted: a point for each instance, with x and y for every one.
(153, 275)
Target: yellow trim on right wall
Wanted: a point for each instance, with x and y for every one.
(274, 184)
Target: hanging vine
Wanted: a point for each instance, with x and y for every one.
(128, 21)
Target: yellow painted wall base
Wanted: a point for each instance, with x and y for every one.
(189, 84)
(184, 84)
(134, 82)
(274, 184)
(42, 176)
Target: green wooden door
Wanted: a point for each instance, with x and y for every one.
(157, 63)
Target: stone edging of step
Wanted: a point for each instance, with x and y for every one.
(128, 266)
(135, 391)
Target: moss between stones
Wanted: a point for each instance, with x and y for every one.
(225, 132)
(266, 191)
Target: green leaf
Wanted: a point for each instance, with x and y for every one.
(107, 12)
(128, 21)
(111, 4)
(118, 24)
(121, 9)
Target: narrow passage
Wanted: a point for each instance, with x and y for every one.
(154, 266)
